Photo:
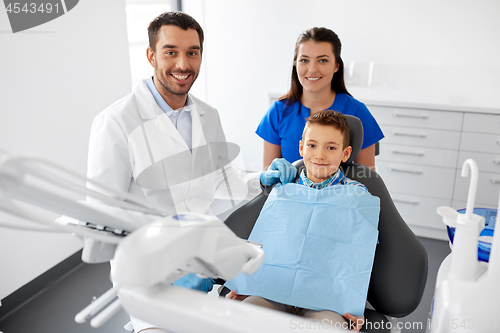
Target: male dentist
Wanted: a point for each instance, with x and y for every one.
(165, 144)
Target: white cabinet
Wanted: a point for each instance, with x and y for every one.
(417, 161)
(421, 158)
(418, 118)
(419, 155)
(480, 141)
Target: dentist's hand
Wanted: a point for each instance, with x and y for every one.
(279, 170)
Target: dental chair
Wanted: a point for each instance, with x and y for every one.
(400, 266)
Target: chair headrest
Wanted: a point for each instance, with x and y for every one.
(356, 133)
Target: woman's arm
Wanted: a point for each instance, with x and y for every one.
(272, 151)
(366, 157)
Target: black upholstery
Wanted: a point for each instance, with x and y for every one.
(400, 267)
(356, 135)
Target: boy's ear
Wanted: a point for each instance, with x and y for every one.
(301, 147)
(346, 153)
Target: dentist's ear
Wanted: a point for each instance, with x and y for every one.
(150, 54)
(346, 153)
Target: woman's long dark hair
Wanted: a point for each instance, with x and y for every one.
(318, 35)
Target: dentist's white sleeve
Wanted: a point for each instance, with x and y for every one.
(108, 158)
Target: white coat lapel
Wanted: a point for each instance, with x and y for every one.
(201, 154)
(149, 109)
(202, 182)
(164, 124)
(197, 115)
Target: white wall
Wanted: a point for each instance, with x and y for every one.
(54, 79)
(442, 52)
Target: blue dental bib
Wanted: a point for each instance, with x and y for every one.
(319, 248)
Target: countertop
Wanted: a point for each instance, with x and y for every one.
(425, 100)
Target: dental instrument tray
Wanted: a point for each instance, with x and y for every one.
(486, 235)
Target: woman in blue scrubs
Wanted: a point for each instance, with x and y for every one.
(317, 84)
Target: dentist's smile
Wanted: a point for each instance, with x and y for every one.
(181, 78)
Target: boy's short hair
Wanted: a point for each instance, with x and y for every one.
(330, 118)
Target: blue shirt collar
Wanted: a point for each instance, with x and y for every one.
(333, 180)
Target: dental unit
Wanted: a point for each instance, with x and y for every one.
(149, 250)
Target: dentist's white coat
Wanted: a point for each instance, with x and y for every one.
(132, 148)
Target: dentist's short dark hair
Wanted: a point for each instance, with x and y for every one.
(178, 19)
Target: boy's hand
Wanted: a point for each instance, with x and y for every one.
(233, 295)
(279, 170)
(355, 323)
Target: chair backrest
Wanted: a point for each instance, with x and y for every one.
(399, 270)
(356, 135)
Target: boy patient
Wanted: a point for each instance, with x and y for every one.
(324, 145)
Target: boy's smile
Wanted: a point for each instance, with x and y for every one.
(322, 151)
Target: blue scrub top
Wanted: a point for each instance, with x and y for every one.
(283, 124)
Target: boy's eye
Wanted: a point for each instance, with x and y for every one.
(331, 148)
(311, 145)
